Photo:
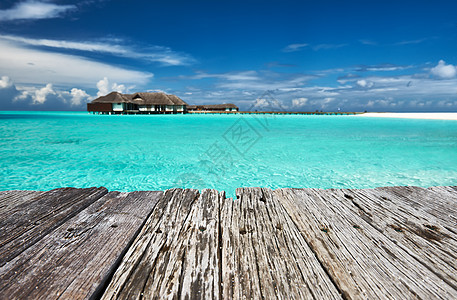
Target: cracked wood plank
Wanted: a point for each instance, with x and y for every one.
(412, 228)
(78, 257)
(26, 223)
(264, 254)
(10, 199)
(153, 266)
(200, 276)
(363, 262)
(441, 202)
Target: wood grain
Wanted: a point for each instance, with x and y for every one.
(75, 260)
(361, 259)
(24, 224)
(383, 243)
(264, 255)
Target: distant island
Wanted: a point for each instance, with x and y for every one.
(150, 103)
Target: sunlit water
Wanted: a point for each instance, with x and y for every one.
(41, 151)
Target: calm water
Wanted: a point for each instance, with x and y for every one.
(41, 151)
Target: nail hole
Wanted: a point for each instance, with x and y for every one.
(431, 227)
(396, 228)
(70, 229)
(279, 226)
(243, 231)
(158, 231)
(325, 229)
(356, 226)
(114, 225)
(201, 228)
(348, 196)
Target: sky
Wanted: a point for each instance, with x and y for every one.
(293, 55)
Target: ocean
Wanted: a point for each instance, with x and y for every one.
(46, 150)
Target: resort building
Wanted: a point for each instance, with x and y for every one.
(212, 108)
(138, 103)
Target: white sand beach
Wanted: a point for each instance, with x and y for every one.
(424, 115)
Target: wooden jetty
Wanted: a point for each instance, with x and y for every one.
(383, 243)
(318, 113)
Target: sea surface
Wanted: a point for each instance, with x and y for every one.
(46, 150)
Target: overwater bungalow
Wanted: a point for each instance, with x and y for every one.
(138, 103)
(213, 107)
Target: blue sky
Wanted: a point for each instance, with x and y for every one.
(308, 55)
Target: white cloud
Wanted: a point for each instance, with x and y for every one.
(34, 67)
(382, 67)
(299, 47)
(444, 71)
(40, 95)
(5, 82)
(294, 47)
(78, 96)
(368, 42)
(22, 96)
(45, 98)
(163, 55)
(412, 42)
(233, 76)
(118, 88)
(102, 87)
(105, 88)
(299, 102)
(268, 103)
(364, 83)
(34, 10)
(156, 91)
(328, 46)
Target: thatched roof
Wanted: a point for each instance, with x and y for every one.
(213, 106)
(113, 97)
(141, 99)
(176, 100)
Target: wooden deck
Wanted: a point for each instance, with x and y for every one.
(384, 243)
(317, 113)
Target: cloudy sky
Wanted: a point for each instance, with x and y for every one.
(352, 55)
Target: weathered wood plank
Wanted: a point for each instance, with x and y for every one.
(10, 199)
(201, 278)
(362, 261)
(264, 254)
(25, 224)
(153, 266)
(412, 229)
(75, 260)
(395, 242)
(440, 202)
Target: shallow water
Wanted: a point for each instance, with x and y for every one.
(44, 150)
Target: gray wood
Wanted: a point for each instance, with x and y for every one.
(10, 199)
(264, 254)
(440, 202)
(78, 257)
(362, 261)
(414, 230)
(154, 264)
(28, 222)
(201, 278)
(384, 243)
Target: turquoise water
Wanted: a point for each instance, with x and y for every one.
(42, 150)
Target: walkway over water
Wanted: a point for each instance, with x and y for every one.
(321, 113)
(384, 243)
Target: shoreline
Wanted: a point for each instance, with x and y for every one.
(421, 115)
